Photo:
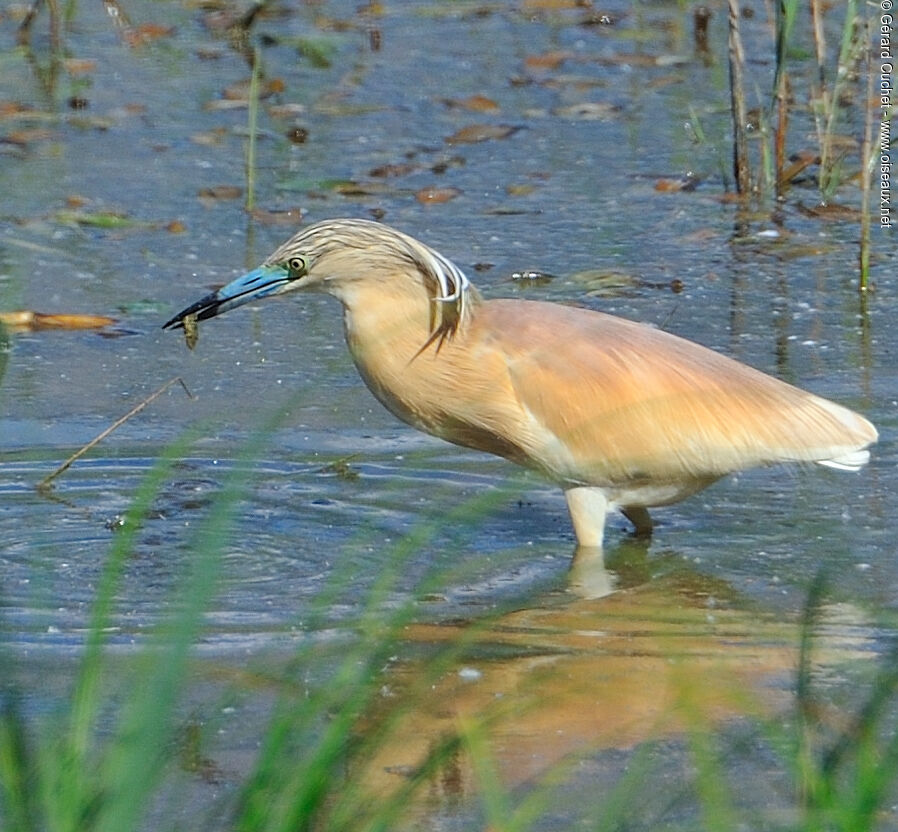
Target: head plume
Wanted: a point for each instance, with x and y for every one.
(452, 293)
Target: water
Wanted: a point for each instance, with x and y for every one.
(565, 193)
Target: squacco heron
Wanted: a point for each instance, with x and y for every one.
(620, 415)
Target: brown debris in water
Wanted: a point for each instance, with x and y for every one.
(474, 133)
(434, 196)
(146, 33)
(26, 320)
(217, 193)
(44, 485)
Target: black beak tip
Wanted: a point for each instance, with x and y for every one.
(206, 307)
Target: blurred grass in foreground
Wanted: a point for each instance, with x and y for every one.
(104, 761)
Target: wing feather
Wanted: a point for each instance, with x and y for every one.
(629, 402)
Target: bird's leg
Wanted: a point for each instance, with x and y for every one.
(640, 518)
(588, 507)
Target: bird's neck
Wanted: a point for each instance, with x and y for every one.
(386, 321)
(388, 331)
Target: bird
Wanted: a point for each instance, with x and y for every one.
(621, 415)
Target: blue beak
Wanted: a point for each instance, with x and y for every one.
(257, 284)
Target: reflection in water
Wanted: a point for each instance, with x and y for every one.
(560, 681)
(588, 576)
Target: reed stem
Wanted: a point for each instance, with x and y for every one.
(869, 153)
(741, 164)
(253, 125)
(786, 12)
(44, 484)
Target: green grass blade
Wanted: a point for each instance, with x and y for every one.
(19, 809)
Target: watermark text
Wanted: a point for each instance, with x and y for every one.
(886, 92)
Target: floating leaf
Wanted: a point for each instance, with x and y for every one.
(146, 32)
(784, 245)
(372, 9)
(362, 189)
(209, 138)
(830, 211)
(209, 53)
(434, 195)
(606, 282)
(28, 135)
(731, 198)
(588, 111)
(634, 59)
(288, 110)
(336, 106)
(219, 192)
(240, 90)
(684, 183)
(92, 122)
(443, 165)
(79, 66)
(97, 219)
(664, 81)
(546, 61)
(474, 133)
(319, 52)
(399, 169)
(219, 104)
(511, 211)
(301, 183)
(282, 216)
(11, 109)
(28, 320)
(476, 103)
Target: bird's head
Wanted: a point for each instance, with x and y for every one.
(336, 257)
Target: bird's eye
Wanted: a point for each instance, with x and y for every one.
(296, 266)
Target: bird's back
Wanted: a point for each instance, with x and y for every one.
(622, 402)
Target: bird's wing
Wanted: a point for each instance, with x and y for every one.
(626, 401)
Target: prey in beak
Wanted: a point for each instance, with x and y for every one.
(257, 284)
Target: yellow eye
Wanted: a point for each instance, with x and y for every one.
(296, 266)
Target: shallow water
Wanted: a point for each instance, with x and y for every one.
(572, 190)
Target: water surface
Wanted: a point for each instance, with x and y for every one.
(601, 113)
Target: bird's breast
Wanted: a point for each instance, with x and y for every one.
(458, 389)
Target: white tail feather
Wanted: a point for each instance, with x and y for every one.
(852, 461)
